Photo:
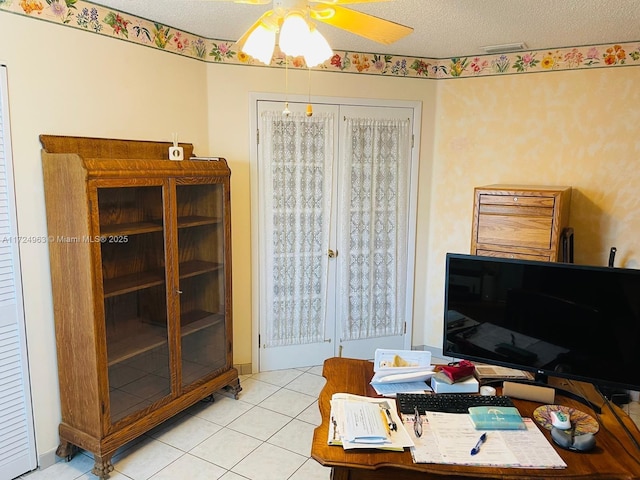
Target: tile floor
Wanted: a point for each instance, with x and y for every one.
(265, 435)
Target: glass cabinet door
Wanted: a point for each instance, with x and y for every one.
(135, 306)
(201, 271)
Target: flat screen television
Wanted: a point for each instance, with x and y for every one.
(552, 319)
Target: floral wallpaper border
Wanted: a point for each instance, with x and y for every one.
(84, 15)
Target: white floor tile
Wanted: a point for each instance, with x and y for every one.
(63, 470)
(255, 391)
(311, 470)
(232, 476)
(222, 411)
(288, 402)
(114, 475)
(277, 377)
(311, 414)
(226, 448)
(307, 383)
(296, 436)
(269, 462)
(187, 432)
(189, 467)
(265, 435)
(316, 370)
(145, 459)
(259, 423)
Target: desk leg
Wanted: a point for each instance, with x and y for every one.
(338, 473)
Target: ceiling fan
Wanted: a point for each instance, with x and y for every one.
(285, 13)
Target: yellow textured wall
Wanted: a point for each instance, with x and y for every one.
(576, 128)
(67, 82)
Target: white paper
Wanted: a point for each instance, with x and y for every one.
(396, 440)
(420, 375)
(415, 360)
(449, 437)
(364, 423)
(392, 389)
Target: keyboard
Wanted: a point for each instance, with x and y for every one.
(448, 402)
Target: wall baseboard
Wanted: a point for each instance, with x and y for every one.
(244, 368)
(46, 459)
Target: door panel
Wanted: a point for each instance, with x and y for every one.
(374, 277)
(295, 158)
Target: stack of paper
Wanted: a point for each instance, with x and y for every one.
(401, 371)
(365, 422)
(450, 438)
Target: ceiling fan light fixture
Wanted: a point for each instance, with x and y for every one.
(297, 36)
(294, 35)
(261, 43)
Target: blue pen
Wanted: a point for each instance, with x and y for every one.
(482, 439)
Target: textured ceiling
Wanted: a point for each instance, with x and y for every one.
(442, 28)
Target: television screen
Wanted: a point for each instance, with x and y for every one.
(567, 320)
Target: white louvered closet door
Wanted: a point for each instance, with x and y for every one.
(17, 443)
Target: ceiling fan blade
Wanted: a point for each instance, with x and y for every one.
(344, 2)
(251, 2)
(363, 24)
(241, 41)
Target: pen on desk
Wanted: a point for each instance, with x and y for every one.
(335, 427)
(384, 420)
(392, 425)
(417, 423)
(475, 450)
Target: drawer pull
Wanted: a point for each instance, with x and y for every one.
(515, 199)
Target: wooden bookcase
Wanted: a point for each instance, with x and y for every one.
(140, 260)
(520, 221)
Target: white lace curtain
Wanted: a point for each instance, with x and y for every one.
(372, 213)
(373, 227)
(297, 193)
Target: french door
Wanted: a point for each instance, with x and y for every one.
(335, 203)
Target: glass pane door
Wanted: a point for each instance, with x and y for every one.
(133, 268)
(201, 253)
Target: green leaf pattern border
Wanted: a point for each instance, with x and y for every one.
(84, 15)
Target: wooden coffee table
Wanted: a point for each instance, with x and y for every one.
(614, 457)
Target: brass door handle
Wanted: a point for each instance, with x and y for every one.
(333, 253)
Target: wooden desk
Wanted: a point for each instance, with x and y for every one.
(614, 457)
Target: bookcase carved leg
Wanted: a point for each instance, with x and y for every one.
(66, 450)
(234, 388)
(102, 466)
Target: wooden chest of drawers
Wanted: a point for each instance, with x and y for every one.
(520, 221)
